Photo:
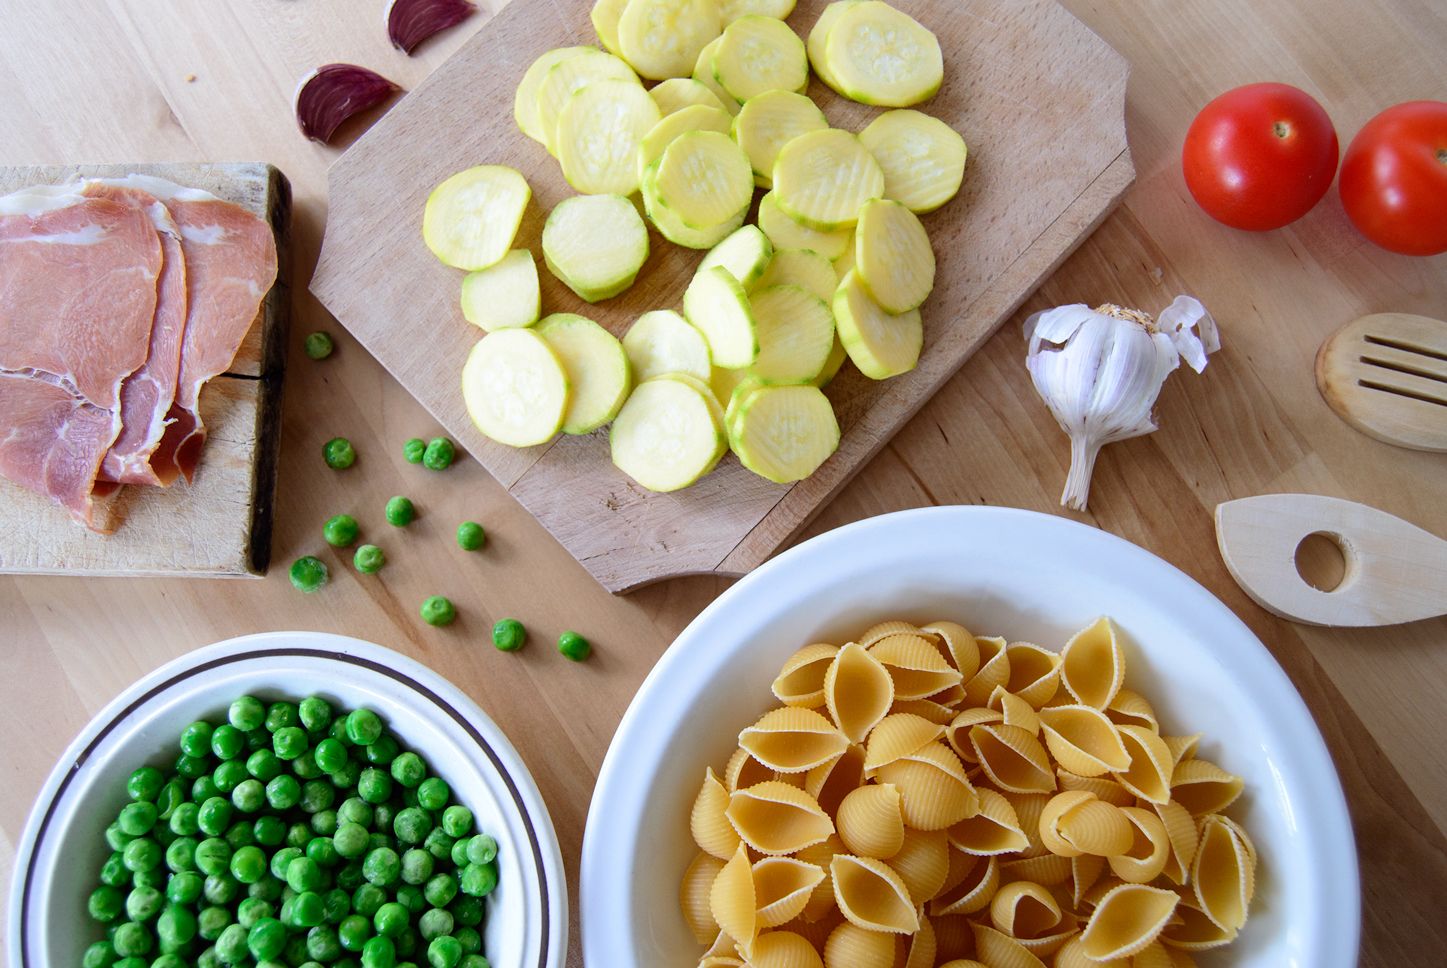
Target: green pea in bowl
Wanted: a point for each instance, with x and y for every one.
(64, 846)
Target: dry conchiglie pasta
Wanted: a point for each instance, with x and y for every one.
(694, 896)
(1085, 872)
(801, 682)
(995, 829)
(1224, 873)
(1026, 911)
(1127, 918)
(994, 670)
(721, 961)
(1153, 955)
(743, 771)
(1182, 747)
(830, 783)
(922, 862)
(1149, 851)
(999, 950)
(1034, 673)
(816, 932)
(871, 821)
(1028, 808)
(1013, 759)
(971, 889)
(916, 666)
(897, 736)
(1072, 955)
(708, 823)
(1149, 773)
(1052, 870)
(954, 938)
(776, 818)
(960, 647)
(1203, 787)
(1015, 711)
(821, 900)
(783, 949)
(850, 946)
(793, 740)
(934, 791)
(1104, 788)
(782, 886)
(957, 733)
(1191, 930)
(872, 896)
(885, 629)
(1183, 836)
(1092, 664)
(935, 712)
(920, 949)
(731, 899)
(858, 691)
(1083, 740)
(1076, 823)
(1130, 708)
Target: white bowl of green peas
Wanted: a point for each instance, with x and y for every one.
(292, 798)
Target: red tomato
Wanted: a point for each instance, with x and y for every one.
(1260, 156)
(1394, 178)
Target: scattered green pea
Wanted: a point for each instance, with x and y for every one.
(470, 536)
(340, 531)
(509, 635)
(319, 345)
(339, 453)
(574, 646)
(438, 610)
(414, 450)
(400, 511)
(439, 454)
(369, 559)
(308, 574)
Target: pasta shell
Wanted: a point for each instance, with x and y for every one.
(850, 946)
(1104, 788)
(921, 949)
(999, 950)
(994, 670)
(693, 896)
(1150, 848)
(1083, 740)
(722, 947)
(1092, 664)
(709, 822)
(885, 629)
(960, 647)
(801, 681)
(1015, 711)
(720, 961)
(872, 896)
(922, 862)
(858, 691)
(916, 666)
(832, 781)
(1179, 959)
(1085, 872)
(783, 949)
(1128, 917)
(1013, 759)
(821, 899)
(1101, 888)
(1223, 874)
(1028, 808)
(1149, 773)
(1130, 708)
(782, 886)
(793, 779)
(1052, 870)
(1153, 955)
(871, 822)
(731, 899)
(792, 740)
(1072, 955)
(776, 818)
(953, 938)
(935, 712)
(817, 932)
(973, 891)
(934, 791)
(951, 697)
(1183, 836)
(743, 771)
(994, 830)
(1034, 673)
(1075, 823)
(1182, 747)
(1025, 910)
(897, 736)
(1203, 787)
(1192, 930)
(957, 733)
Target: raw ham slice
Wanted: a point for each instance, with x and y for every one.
(54, 441)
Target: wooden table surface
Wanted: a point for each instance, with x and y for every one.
(166, 80)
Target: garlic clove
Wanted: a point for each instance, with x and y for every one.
(333, 93)
(410, 22)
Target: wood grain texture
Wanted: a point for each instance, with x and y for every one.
(1032, 191)
(96, 79)
(1386, 375)
(218, 526)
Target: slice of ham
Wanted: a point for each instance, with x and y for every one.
(54, 442)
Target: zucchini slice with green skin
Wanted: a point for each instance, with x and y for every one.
(703, 73)
(801, 267)
(525, 101)
(795, 331)
(662, 38)
(769, 121)
(701, 387)
(837, 356)
(786, 232)
(759, 54)
(740, 393)
(677, 93)
(571, 74)
(845, 262)
(668, 224)
(883, 56)
(597, 369)
(472, 218)
(716, 305)
(881, 345)
(515, 388)
(923, 159)
(734, 9)
(595, 244)
(605, 16)
(819, 37)
(599, 133)
(667, 435)
(705, 179)
(893, 257)
(745, 254)
(696, 117)
(662, 342)
(784, 434)
(723, 383)
(822, 178)
(505, 295)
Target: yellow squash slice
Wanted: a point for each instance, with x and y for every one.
(597, 370)
(662, 38)
(759, 54)
(568, 75)
(784, 433)
(504, 295)
(525, 101)
(823, 177)
(892, 256)
(923, 159)
(667, 435)
(696, 117)
(515, 388)
(881, 345)
(677, 93)
(795, 332)
(471, 218)
(786, 232)
(800, 267)
(595, 244)
(705, 179)
(599, 134)
(771, 120)
(879, 55)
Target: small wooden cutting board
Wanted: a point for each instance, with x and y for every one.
(220, 525)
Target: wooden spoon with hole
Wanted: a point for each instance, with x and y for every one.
(1386, 375)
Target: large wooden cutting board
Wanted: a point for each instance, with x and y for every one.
(219, 525)
(1038, 98)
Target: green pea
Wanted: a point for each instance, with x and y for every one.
(470, 536)
(439, 844)
(382, 752)
(141, 855)
(375, 787)
(169, 960)
(132, 940)
(481, 849)
(356, 810)
(248, 865)
(280, 715)
(289, 742)
(439, 454)
(367, 898)
(382, 867)
(181, 855)
(196, 739)
(340, 531)
(307, 910)
(113, 872)
(417, 866)
(137, 818)
(221, 887)
(322, 852)
(263, 765)
(350, 840)
(414, 450)
(268, 888)
(574, 646)
(154, 877)
(440, 890)
(269, 830)
(318, 345)
(390, 920)
(354, 931)
(369, 559)
(211, 922)
(412, 825)
(316, 795)
(252, 910)
(379, 952)
(282, 792)
(266, 939)
(509, 635)
(474, 961)
(324, 823)
(172, 795)
(246, 713)
(337, 904)
(105, 903)
(226, 742)
(308, 574)
(116, 838)
(227, 774)
(322, 943)
(444, 952)
(248, 796)
(330, 755)
(459, 852)
(438, 610)
(400, 511)
(339, 453)
(364, 727)
(470, 940)
(279, 861)
(214, 816)
(478, 880)
(456, 820)
(410, 897)
(433, 793)
(145, 783)
(192, 766)
(144, 903)
(184, 887)
(408, 770)
(303, 874)
(434, 924)
(99, 955)
(346, 777)
(467, 910)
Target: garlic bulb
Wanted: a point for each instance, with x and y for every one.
(1100, 371)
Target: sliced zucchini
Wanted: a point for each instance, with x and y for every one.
(599, 133)
(893, 257)
(525, 101)
(785, 232)
(879, 55)
(705, 179)
(734, 9)
(744, 254)
(662, 38)
(819, 37)
(715, 303)
(597, 369)
(837, 356)
(504, 295)
(880, 344)
(471, 218)
(923, 159)
(595, 244)
(795, 332)
(515, 388)
(845, 262)
(677, 93)
(771, 120)
(785, 433)
(801, 267)
(697, 117)
(571, 74)
(823, 177)
(605, 15)
(740, 393)
(667, 436)
(661, 342)
(701, 387)
(759, 54)
(703, 73)
(723, 382)
(668, 224)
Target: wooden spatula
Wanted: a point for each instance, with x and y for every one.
(1395, 571)
(1386, 375)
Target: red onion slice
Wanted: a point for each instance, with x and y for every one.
(410, 22)
(333, 93)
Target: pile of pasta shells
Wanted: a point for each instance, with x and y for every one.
(927, 797)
